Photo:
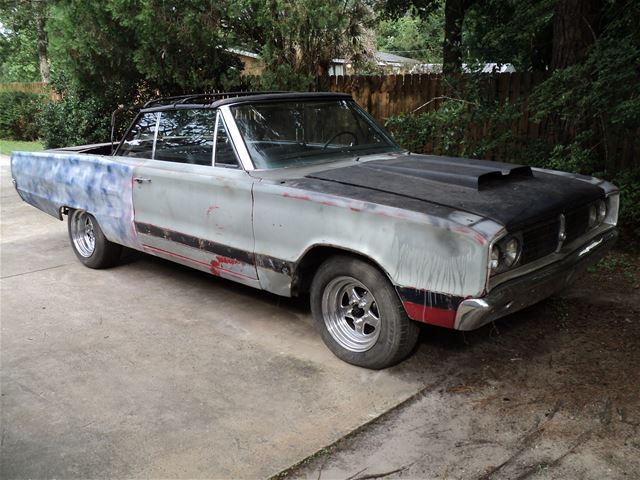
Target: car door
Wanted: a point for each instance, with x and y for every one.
(192, 199)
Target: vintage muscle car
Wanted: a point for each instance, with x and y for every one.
(299, 193)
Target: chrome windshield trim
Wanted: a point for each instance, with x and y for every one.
(236, 138)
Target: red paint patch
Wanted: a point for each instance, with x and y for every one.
(354, 209)
(211, 209)
(215, 266)
(471, 233)
(480, 239)
(328, 203)
(431, 315)
(297, 197)
(218, 262)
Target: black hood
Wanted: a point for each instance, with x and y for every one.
(512, 195)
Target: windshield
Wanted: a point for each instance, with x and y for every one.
(292, 133)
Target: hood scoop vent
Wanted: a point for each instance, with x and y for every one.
(478, 175)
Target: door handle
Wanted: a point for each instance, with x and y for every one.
(141, 180)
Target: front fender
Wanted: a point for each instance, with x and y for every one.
(416, 250)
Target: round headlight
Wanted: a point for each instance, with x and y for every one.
(602, 211)
(495, 257)
(593, 216)
(511, 252)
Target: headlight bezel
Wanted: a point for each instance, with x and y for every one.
(505, 253)
(598, 212)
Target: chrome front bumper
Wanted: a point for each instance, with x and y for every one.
(521, 292)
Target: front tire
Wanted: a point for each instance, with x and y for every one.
(359, 314)
(89, 243)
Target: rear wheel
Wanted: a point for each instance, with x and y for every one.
(89, 243)
(359, 314)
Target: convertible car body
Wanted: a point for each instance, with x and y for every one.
(303, 192)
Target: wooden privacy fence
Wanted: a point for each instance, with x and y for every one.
(384, 96)
(29, 87)
(389, 95)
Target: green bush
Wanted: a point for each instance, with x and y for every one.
(18, 115)
(448, 130)
(628, 181)
(74, 120)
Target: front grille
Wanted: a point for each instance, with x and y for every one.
(541, 239)
(576, 223)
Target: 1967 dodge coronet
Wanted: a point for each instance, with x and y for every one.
(299, 193)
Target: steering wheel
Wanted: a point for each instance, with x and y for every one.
(343, 132)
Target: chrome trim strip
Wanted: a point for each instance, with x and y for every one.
(215, 138)
(590, 247)
(562, 231)
(236, 137)
(155, 136)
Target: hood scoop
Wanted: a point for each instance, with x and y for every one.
(478, 175)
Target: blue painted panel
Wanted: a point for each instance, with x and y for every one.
(99, 184)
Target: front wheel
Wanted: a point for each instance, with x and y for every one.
(89, 243)
(359, 314)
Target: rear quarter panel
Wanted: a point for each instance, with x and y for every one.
(101, 185)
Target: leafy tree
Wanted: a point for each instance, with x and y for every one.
(576, 24)
(121, 52)
(454, 15)
(597, 96)
(516, 32)
(297, 39)
(23, 40)
(413, 36)
(180, 46)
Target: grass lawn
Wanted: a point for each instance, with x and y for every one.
(8, 146)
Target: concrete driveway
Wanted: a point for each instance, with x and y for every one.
(153, 370)
(150, 369)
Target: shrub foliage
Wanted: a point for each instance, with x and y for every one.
(18, 114)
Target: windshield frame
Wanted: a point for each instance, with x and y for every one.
(339, 155)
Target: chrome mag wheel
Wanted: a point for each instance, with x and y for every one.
(82, 232)
(351, 314)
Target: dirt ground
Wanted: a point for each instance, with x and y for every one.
(550, 392)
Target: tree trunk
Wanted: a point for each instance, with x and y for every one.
(40, 13)
(452, 48)
(575, 28)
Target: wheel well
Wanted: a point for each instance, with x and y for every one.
(308, 265)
